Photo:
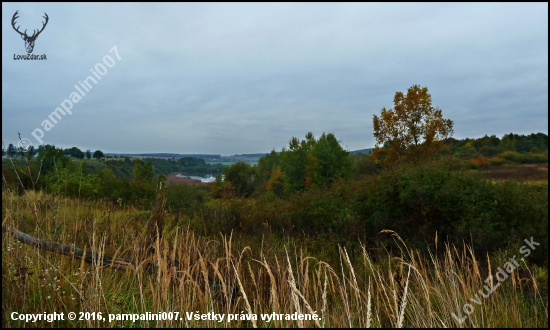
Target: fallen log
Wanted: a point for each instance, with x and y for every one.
(73, 251)
(153, 233)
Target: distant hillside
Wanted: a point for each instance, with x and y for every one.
(362, 151)
(251, 155)
(211, 157)
(164, 155)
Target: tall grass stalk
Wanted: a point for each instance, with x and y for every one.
(224, 275)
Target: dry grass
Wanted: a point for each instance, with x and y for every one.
(535, 173)
(223, 276)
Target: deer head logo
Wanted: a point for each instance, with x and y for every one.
(29, 40)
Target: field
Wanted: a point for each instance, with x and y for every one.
(536, 173)
(245, 276)
(417, 246)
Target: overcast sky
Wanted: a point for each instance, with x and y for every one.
(246, 78)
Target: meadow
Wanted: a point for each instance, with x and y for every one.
(386, 285)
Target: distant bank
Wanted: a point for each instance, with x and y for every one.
(211, 158)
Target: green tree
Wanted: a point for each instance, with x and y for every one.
(31, 152)
(50, 156)
(508, 142)
(487, 141)
(294, 163)
(21, 152)
(73, 181)
(12, 150)
(143, 172)
(88, 154)
(364, 164)
(314, 163)
(276, 183)
(413, 129)
(266, 166)
(241, 176)
(75, 153)
(98, 154)
(327, 160)
(467, 151)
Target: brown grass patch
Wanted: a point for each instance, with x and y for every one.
(523, 173)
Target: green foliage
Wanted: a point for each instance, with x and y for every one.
(294, 163)
(276, 183)
(12, 151)
(529, 158)
(524, 143)
(306, 191)
(51, 157)
(314, 163)
(486, 142)
(73, 182)
(266, 166)
(326, 212)
(467, 151)
(511, 149)
(29, 153)
(143, 172)
(186, 199)
(364, 164)
(416, 201)
(497, 161)
(75, 153)
(327, 160)
(98, 154)
(490, 151)
(457, 204)
(191, 162)
(241, 177)
(508, 143)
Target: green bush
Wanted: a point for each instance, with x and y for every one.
(497, 161)
(528, 158)
(511, 156)
(418, 201)
(490, 151)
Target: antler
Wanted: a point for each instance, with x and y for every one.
(17, 28)
(35, 34)
(24, 34)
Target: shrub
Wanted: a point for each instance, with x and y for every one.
(497, 161)
(467, 151)
(490, 151)
(480, 161)
(459, 205)
(528, 158)
(513, 156)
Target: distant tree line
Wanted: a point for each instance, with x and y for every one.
(491, 146)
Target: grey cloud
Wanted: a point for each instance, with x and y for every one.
(239, 78)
